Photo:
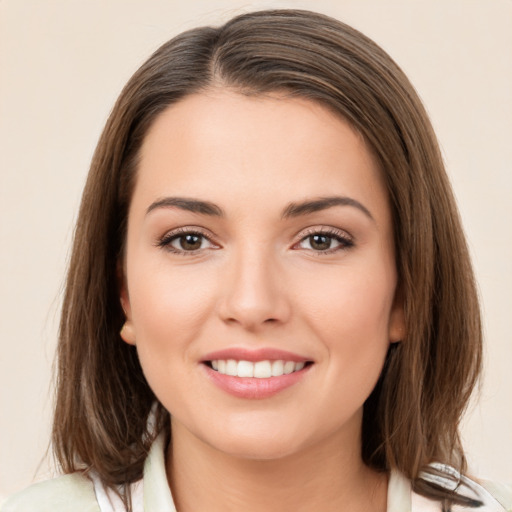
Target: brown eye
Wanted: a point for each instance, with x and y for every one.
(326, 242)
(190, 242)
(320, 242)
(186, 242)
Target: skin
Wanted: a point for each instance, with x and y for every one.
(259, 280)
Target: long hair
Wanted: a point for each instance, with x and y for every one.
(412, 416)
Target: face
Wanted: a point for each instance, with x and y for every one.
(259, 274)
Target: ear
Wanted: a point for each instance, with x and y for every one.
(397, 331)
(127, 332)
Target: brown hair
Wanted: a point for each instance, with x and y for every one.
(412, 417)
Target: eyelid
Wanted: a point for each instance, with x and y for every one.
(322, 228)
(164, 242)
(342, 236)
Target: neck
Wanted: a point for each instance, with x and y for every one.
(320, 477)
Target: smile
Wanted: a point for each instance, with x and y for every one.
(259, 369)
(255, 373)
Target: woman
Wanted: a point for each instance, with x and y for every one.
(270, 303)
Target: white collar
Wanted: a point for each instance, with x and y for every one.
(152, 493)
(158, 498)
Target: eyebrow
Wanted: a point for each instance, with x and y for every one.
(191, 205)
(323, 203)
(292, 210)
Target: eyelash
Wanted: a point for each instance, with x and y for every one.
(345, 240)
(167, 239)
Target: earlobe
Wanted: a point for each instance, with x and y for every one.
(127, 332)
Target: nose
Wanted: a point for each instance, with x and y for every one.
(254, 292)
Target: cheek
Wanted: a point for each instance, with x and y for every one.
(351, 317)
(170, 310)
(352, 308)
(169, 305)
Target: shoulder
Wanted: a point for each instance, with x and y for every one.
(484, 495)
(481, 495)
(501, 492)
(65, 493)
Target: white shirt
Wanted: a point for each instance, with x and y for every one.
(152, 493)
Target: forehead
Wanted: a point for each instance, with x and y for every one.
(222, 144)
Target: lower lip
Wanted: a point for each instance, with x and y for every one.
(253, 388)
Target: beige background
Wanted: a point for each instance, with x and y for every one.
(62, 64)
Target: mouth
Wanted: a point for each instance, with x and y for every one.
(255, 374)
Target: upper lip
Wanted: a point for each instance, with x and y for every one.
(254, 355)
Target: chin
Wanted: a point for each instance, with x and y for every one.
(268, 442)
(257, 449)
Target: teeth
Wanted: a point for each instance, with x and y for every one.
(277, 368)
(245, 369)
(260, 369)
(289, 366)
(231, 367)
